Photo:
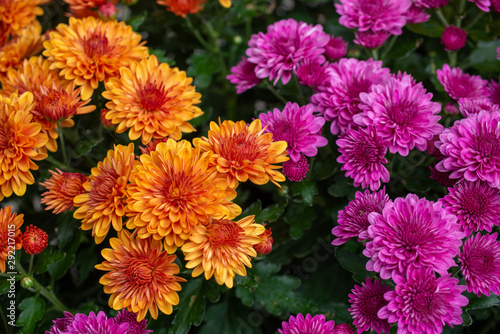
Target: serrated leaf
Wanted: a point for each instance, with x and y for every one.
(272, 212)
(66, 228)
(202, 66)
(33, 311)
(354, 263)
(46, 258)
(325, 167)
(300, 218)
(253, 209)
(137, 20)
(306, 190)
(85, 262)
(431, 28)
(475, 303)
(59, 269)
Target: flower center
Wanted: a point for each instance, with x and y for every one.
(475, 202)
(423, 302)
(238, 148)
(152, 97)
(366, 152)
(402, 113)
(371, 304)
(412, 236)
(224, 232)
(96, 45)
(487, 145)
(284, 131)
(140, 272)
(105, 185)
(480, 261)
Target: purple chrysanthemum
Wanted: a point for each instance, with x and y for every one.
(371, 39)
(480, 259)
(338, 100)
(453, 38)
(307, 325)
(295, 171)
(343, 329)
(474, 106)
(417, 14)
(311, 73)
(422, 303)
(484, 5)
(353, 220)
(431, 3)
(336, 48)
(363, 157)
(472, 148)
(366, 300)
(95, 324)
(494, 91)
(243, 76)
(475, 204)
(412, 231)
(61, 324)
(286, 43)
(131, 319)
(458, 84)
(402, 112)
(373, 15)
(495, 5)
(298, 127)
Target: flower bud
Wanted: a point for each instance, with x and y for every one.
(27, 282)
(107, 11)
(34, 240)
(453, 38)
(336, 48)
(266, 245)
(371, 39)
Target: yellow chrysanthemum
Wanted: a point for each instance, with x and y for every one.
(172, 191)
(222, 248)
(152, 100)
(225, 3)
(20, 141)
(141, 277)
(104, 202)
(56, 100)
(10, 230)
(244, 152)
(15, 15)
(89, 50)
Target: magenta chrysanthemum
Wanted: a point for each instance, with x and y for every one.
(353, 220)
(402, 113)
(494, 90)
(363, 157)
(472, 148)
(480, 259)
(474, 106)
(61, 324)
(453, 38)
(243, 76)
(422, 303)
(373, 15)
(458, 84)
(371, 39)
(298, 127)
(134, 327)
(286, 43)
(336, 48)
(343, 329)
(307, 325)
(412, 231)
(484, 5)
(475, 204)
(417, 14)
(95, 324)
(295, 171)
(311, 73)
(431, 3)
(338, 100)
(366, 300)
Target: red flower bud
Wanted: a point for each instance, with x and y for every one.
(266, 245)
(453, 38)
(34, 240)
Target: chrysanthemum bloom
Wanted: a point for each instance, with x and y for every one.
(20, 141)
(480, 264)
(243, 76)
(338, 100)
(244, 152)
(311, 74)
(475, 204)
(472, 148)
(296, 171)
(62, 188)
(222, 248)
(151, 146)
(298, 127)
(265, 246)
(442, 177)
(402, 113)
(10, 228)
(474, 106)
(495, 5)
(422, 303)
(84, 8)
(353, 220)
(83, 324)
(431, 3)
(416, 14)
(363, 157)
(366, 300)
(16, 15)
(61, 324)
(453, 38)
(286, 43)
(373, 15)
(34, 240)
(90, 50)
(141, 276)
(458, 84)
(484, 5)
(172, 190)
(134, 326)
(371, 39)
(336, 48)
(343, 329)
(494, 90)
(182, 7)
(412, 231)
(103, 204)
(307, 325)
(225, 3)
(152, 101)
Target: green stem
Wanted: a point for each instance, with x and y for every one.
(453, 58)
(455, 272)
(389, 46)
(30, 268)
(474, 21)
(375, 54)
(302, 98)
(461, 14)
(275, 92)
(197, 34)
(8, 329)
(441, 17)
(63, 145)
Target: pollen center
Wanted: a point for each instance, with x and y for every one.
(480, 262)
(224, 233)
(140, 272)
(488, 146)
(96, 45)
(366, 152)
(474, 202)
(402, 113)
(152, 97)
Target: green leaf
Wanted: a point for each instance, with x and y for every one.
(59, 269)
(306, 189)
(4, 286)
(342, 186)
(483, 58)
(272, 212)
(33, 310)
(45, 259)
(202, 66)
(137, 20)
(66, 228)
(300, 218)
(475, 303)
(431, 28)
(253, 209)
(354, 263)
(325, 167)
(85, 262)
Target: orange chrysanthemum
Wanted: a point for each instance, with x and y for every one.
(56, 100)
(10, 238)
(172, 191)
(15, 15)
(244, 152)
(182, 7)
(34, 240)
(20, 141)
(152, 100)
(89, 50)
(222, 248)
(141, 277)
(104, 202)
(62, 188)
